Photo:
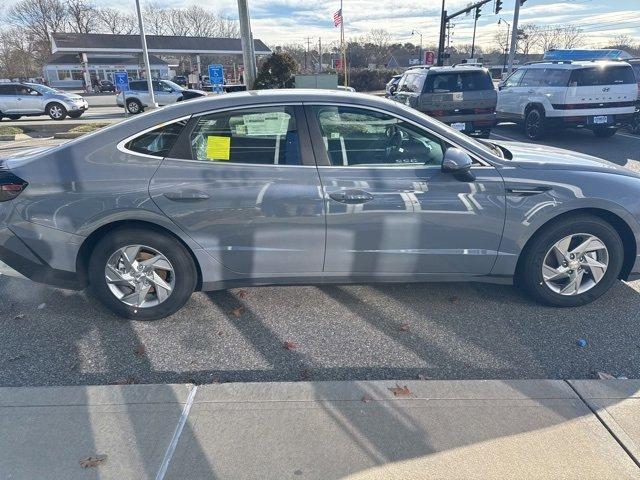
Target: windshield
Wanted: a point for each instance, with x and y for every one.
(42, 88)
(174, 86)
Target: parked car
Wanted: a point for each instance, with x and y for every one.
(462, 96)
(392, 85)
(635, 122)
(600, 96)
(181, 80)
(311, 187)
(18, 99)
(165, 92)
(105, 86)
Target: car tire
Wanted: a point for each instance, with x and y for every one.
(56, 111)
(534, 124)
(75, 114)
(123, 294)
(134, 106)
(14, 117)
(604, 132)
(549, 283)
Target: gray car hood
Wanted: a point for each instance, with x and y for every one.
(528, 155)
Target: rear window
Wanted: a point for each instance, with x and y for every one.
(458, 82)
(610, 75)
(412, 82)
(139, 86)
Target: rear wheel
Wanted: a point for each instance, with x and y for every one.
(534, 124)
(604, 132)
(141, 273)
(56, 111)
(571, 263)
(134, 106)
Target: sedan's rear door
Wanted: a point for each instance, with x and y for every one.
(244, 185)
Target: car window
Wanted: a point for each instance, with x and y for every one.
(7, 90)
(263, 136)
(458, 82)
(533, 77)
(24, 90)
(140, 86)
(360, 137)
(157, 142)
(412, 82)
(514, 79)
(556, 77)
(601, 75)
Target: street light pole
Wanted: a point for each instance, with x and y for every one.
(419, 33)
(248, 54)
(145, 55)
(506, 47)
(514, 34)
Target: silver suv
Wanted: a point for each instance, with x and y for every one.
(461, 96)
(32, 99)
(165, 93)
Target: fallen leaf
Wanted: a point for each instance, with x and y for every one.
(404, 327)
(399, 391)
(422, 377)
(305, 374)
(91, 462)
(290, 345)
(140, 350)
(605, 376)
(220, 333)
(125, 381)
(237, 312)
(366, 398)
(20, 316)
(41, 306)
(242, 294)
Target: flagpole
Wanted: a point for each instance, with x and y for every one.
(344, 52)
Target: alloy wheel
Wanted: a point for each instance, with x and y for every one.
(575, 264)
(56, 111)
(139, 276)
(133, 107)
(533, 123)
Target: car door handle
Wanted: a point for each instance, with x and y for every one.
(351, 197)
(187, 196)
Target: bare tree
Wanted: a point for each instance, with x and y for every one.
(570, 36)
(39, 18)
(114, 21)
(82, 16)
(155, 19)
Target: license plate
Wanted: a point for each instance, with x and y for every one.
(459, 126)
(600, 119)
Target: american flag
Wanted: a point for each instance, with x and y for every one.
(337, 18)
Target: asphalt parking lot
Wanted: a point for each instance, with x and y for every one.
(434, 331)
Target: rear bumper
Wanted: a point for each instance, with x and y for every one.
(473, 124)
(18, 255)
(587, 121)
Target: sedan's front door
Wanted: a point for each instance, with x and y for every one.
(391, 209)
(29, 100)
(244, 185)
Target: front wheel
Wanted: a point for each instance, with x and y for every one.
(134, 106)
(141, 274)
(571, 263)
(604, 132)
(56, 111)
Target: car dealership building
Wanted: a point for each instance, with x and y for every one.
(85, 56)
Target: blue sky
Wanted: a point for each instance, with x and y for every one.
(292, 21)
(280, 22)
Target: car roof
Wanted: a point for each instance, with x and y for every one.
(572, 65)
(448, 69)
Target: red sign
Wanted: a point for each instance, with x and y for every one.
(337, 63)
(429, 58)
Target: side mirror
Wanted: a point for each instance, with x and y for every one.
(458, 163)
(393, 89)
(500, 85)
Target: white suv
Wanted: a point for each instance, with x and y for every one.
(600, 96)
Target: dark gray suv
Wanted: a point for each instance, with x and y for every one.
(461, 96)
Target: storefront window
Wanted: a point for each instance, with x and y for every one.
(64, 75)
(77, 74)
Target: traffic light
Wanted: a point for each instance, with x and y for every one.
(522, 2)
(477, 13)
(498, 6)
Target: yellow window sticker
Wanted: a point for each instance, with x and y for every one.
(218, 148)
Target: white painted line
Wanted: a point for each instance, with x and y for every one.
(505, 137)
(176, 435)
(635, 137)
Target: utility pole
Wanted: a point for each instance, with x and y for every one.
(475, 23)
(248, 55)
(145, 55)
(506, 46)
(421, 60)
(445, 19)
(514, 34)
(443, 23)
(320, 55)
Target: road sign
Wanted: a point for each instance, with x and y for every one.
(121, 79)
(429, 57)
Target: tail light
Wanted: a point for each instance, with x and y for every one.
(10, 186)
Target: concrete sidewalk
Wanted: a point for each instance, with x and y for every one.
(323, 430)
